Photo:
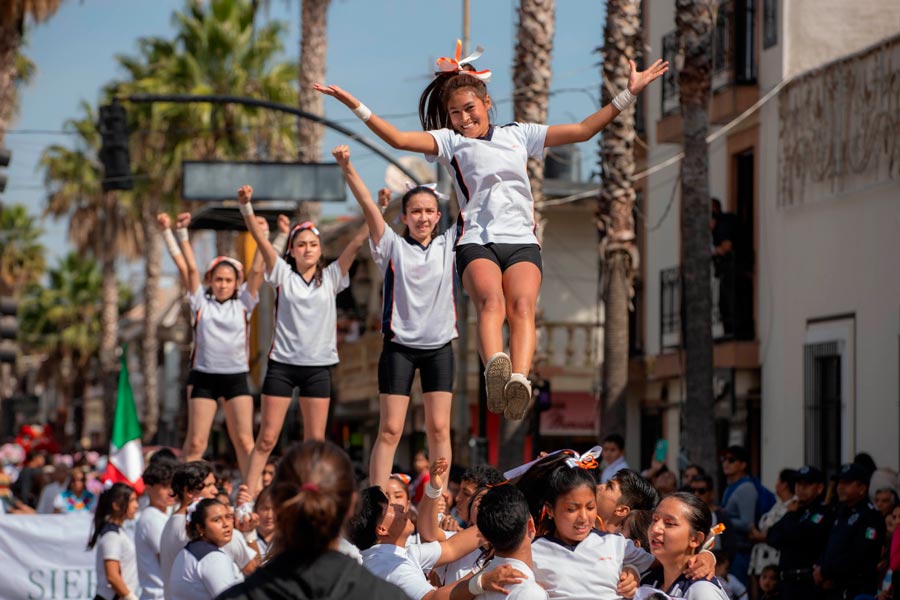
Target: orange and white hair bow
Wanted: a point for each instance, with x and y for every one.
(225, 259)
(402, 478)
(446, 64)
(588, 460)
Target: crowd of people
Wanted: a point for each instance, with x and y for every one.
(549, 529)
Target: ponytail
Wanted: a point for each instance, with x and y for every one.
(312, 492)
(117, 495)
(433, 101)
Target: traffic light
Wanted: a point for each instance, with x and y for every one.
(113, 128)
(5, 157)
(9, 330)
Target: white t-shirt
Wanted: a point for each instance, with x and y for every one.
(201, 572)
(114, 544)
(175, 538)
(305, 316)
(528, 589)
(221, 331)
(588, 571)
(147, 537)
(683, 588)
(404, 567)
(47, 501)
(418, 309)
(492, 182)
(348, 548)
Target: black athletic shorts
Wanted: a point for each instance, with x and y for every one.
(218, 385)
(397, 367)
(502, 255)
(281, 379)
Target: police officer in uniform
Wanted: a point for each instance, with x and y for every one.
(801, 535)
(850, 561)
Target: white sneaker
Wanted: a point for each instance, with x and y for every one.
(518, 397)
(496, 375)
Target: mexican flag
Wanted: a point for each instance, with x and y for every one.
(126, 459)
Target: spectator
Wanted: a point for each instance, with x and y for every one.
(801, 534)
(613, 456)
(768, 583)
(268, 471)
(739, 502)
(733, 586)
(665, 483)
(76, 497)
(54, 483)
(27, 486)
(886, 500)
(689, 474)
(849, 564)
(762, 554)
(702, 487)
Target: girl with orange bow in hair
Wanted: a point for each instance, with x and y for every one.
(221, 310)
(497, 253)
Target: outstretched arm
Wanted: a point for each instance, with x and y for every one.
(245, 193)
(165, 224)
(345, 260)
(558, 135)
(255, 274)
(371, 212)
(412, 141)
(428, 526)
(181, 230)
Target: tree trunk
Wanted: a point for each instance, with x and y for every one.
(619, 253)
(313, 46)
(532, 72)
(695, 23)
(150, 341)
(109, 314)
(10, 38)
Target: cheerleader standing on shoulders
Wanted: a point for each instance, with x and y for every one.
(418, 317)
(117, 575)
(304, 347)
(219, 362)
(497, 253)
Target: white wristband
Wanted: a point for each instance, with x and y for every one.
(246, 209)
(624, 100)
(475, 585)
(250, 536)
(362, 111)
(182, 234)
(279, 242)
(171, 244)
(432, 492)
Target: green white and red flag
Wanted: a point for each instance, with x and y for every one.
(126, 458)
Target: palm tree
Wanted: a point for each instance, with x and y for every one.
(694, 19)
(21, 254)
(619, 257)
(13, 16)
(62, 321)
(532, 71)
(101, 225)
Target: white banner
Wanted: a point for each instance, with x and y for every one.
(46, 557)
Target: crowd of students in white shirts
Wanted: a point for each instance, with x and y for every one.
(549, 530)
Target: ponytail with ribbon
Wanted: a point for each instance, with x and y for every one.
(454, 73)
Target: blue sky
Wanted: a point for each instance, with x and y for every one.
(381, 50)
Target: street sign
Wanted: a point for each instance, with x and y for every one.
(297, 182)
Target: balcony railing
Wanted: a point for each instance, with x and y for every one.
(733, 52)
(732, 305)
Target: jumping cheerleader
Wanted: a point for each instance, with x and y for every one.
(497, 254)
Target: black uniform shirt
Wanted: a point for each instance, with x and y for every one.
(854, 547)
(801, 535)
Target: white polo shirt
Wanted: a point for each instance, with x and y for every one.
(404, 567)
(147, 537)
(114, 544)
(588, 571)
(418, 307)
(174, 538)
(527, 589)
(201, 572)
(305, 316)
(221, 331)
(492, 182)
